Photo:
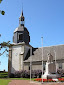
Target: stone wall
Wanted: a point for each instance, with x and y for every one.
(17, 58)
(26, 48)
(38, 65)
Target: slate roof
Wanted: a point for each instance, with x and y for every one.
(37, 54)
(21, 28)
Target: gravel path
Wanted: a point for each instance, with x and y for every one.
(27, 82)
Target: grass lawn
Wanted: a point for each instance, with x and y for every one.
(20, 78)
(62, 77)
(4, 82)
(7, 80)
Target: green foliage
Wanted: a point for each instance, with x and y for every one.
(21, 78)
(1, 11)
(0, 1)
(5, 44)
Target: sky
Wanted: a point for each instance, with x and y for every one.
(43, 18)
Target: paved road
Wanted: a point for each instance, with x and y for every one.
(27, 82)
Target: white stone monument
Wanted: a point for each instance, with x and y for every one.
(50, 68)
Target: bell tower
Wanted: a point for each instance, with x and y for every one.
(21, 34)
(20, 48)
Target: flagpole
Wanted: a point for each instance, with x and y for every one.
(42, 59)
(30, 62)
(55, 60)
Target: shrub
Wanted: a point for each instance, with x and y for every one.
(17, 74)
(26, 74)
(36, 73)
(11, 75)
(61, 72)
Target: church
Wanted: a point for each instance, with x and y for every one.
(21, 52)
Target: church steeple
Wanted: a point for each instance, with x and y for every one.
(21, 34)
(21, 19)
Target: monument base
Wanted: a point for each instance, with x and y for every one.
(50, 76)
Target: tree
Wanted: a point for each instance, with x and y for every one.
(4, 45)
(0, 1)
(1, 11)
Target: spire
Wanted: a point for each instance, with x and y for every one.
(22, 9)
(21, 19)
(22, 12)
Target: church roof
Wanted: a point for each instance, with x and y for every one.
(20, 28)
(46, 50)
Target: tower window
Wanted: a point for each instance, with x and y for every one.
(20, 36)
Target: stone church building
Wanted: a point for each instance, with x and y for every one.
(21, 52)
